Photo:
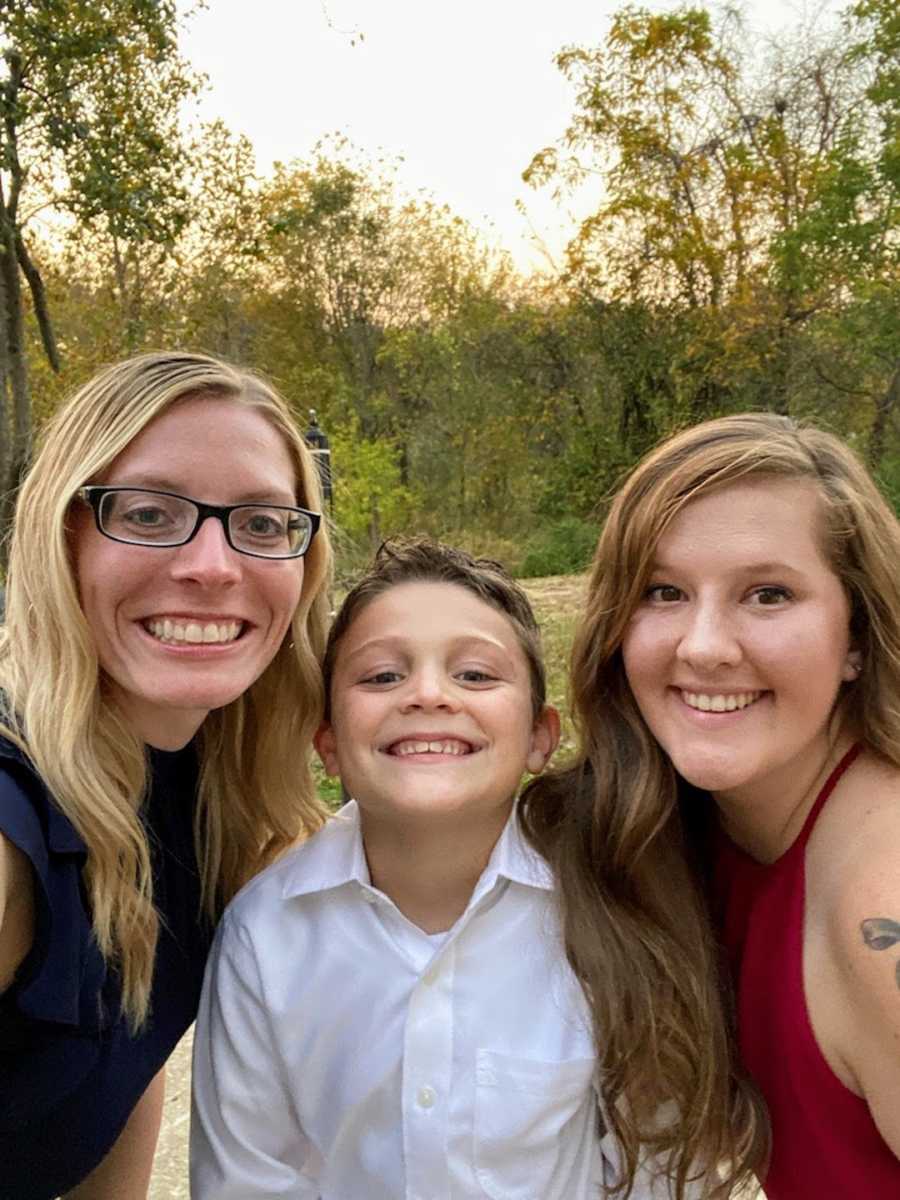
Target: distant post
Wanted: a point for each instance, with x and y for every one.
(320, 449)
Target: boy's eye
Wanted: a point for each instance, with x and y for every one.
(769, 597)
(664, 593)
(474, 675)
(382, 677)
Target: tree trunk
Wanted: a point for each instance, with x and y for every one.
(885, 406)
(375, 538)
(5, 433)
(17, 429)
(39, 296)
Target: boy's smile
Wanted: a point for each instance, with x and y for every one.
(430, 744)
(432, 712)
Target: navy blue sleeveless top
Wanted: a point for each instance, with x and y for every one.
(70, 1071)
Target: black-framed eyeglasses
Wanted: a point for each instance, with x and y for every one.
(145, 517)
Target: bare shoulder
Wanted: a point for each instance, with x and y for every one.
(858, 863)
(854, 856)
(16, 909)
(15, 871)
(856, 841)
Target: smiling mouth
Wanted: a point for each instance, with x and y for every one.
(176, 633)
(452, 746)
(719, 702)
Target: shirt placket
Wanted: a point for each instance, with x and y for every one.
(427, 1070)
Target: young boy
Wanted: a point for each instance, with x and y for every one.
(388, 1010)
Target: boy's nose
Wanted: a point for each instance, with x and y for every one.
(429, 689)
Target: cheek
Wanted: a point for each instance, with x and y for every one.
(284, 596)
(806, 650)
(356, 716)
(644, 654)
(96, 580)
(83, 554)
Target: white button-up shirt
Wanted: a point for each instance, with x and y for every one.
(341, 1053)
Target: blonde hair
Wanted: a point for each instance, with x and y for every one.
(621, 828)
(256, 792)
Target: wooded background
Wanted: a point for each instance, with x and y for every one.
(744, 253)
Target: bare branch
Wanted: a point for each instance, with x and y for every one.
(39, 296)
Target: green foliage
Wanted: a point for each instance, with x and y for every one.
(743, 255)
(370, 500)
(91, 96)
(751, 197)
(563, 548)
(329, 789)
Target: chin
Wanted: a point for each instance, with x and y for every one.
(710, 774)
(197, 695)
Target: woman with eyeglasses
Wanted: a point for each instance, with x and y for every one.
(159, 686)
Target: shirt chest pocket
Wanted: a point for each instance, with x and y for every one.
(532, 1122)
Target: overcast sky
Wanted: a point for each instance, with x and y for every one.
(466, 92)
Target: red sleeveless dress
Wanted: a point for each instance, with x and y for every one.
(824, 1142)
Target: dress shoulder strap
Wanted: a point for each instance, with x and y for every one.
(827, 788)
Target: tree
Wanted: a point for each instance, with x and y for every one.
(90, 94)
(357, 258)
(742, 191)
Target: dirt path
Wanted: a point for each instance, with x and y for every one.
(170, 1178)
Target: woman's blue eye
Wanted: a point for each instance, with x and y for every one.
(263, 525)
(382, 677)
(146, 516)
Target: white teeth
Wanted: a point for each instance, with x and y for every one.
(717, 702)
(436, 747)
(169, 630)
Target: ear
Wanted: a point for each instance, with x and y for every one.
(326, 747)
(852, 666)
(544, 739)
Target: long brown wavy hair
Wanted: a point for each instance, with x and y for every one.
(256, 789)
(620, 827)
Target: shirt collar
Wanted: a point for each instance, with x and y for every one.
(515, 859)
(335, 857)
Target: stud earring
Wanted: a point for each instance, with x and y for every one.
(854, 665)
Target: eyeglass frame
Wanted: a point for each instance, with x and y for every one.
(92, 494)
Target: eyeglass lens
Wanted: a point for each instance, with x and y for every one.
(146, 518)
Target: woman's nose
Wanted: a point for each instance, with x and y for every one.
(710, 639)
(207, 557)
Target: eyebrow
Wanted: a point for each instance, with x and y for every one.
(397, 641)
(760, 568)
(161, 483)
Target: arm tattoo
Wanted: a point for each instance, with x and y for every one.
(880, 933)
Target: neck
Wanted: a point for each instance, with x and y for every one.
(430, 869)
(161, 727)
(766, 820)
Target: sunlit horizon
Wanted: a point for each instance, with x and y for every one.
(462, 97)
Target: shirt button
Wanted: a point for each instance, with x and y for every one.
(431, 978)
(426, 1097)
